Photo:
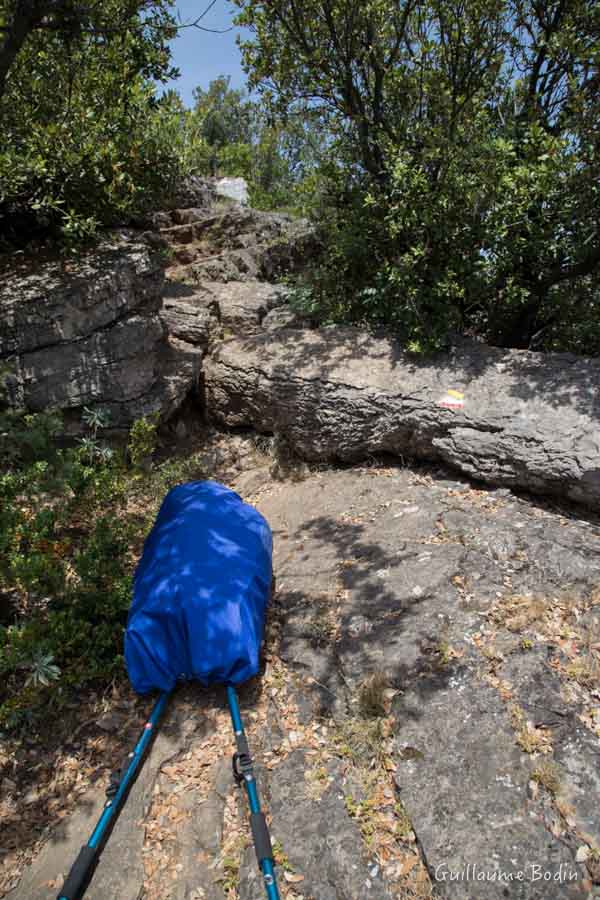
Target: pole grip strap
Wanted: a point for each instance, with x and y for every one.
(261, 837)
(79, 875)
(242, 744)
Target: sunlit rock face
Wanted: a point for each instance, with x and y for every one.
(233, 188)
(507, 417)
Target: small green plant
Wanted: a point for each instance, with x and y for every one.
(77, 229)
(372, 696)
(362, 741)
(353, 807)
(92, 451)
(43, 670)
(142, 441)
(230, 878)
(281, 858)
(403, 823)
(365, 814)
(444, 653)
(548, 775)
(95, 419)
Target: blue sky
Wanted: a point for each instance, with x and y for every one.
(201, 56)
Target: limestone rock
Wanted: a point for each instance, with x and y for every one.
(190, 315)
(234, 189)
(512, 418)
(201, 314)
(388, 570)
(243, 305)
(87, 333)
(238, 243)
(194, 192)
(66, 301)
(283, 317)
(321, 842)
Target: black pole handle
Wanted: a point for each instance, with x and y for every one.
(80, 874)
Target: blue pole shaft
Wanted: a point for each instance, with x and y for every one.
(74, 886)
(266, 864)
(111, 809)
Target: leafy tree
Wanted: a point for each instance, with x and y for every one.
(227, 116)
(467, 133)
(19, 19)
(243, 139)
(84, 140)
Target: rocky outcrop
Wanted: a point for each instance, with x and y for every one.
(201, 315)
(217, 278)
(459, 596)
(235, 243)
(109, 330)
(509, 418)
(234, 189)
(477, 778)
(89, 334)
(194, 193)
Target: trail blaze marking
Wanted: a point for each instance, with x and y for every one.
(452, 400)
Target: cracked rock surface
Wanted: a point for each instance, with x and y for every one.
(108, 330)
(78, 334)
(512, 418)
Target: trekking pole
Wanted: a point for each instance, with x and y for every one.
(116, 792)
(243, 770)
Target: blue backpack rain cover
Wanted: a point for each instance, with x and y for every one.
(200, 591)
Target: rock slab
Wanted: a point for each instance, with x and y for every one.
(88, 333)
(511, 418)
(391, 571)
(120, 871)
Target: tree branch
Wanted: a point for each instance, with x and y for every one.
(588, 264)
(195, 23)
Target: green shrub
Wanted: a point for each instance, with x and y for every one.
(84, 140)
(460, 185)
(72, 524)
(64, 559)
(142, 441)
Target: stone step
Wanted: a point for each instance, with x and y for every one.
(187, 232)
(200, 314)
(234, 265)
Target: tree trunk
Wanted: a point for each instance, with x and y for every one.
(27, 14)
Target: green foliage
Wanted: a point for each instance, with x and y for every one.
(142, 441)
(84, 141)
(241, 139)
(72, 524)
(64, 561)
(43, 669)
(459, 187)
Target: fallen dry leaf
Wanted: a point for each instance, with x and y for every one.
(291, 878)
(409, 864)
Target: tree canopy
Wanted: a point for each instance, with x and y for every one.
(469, 132)
(84, 139)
